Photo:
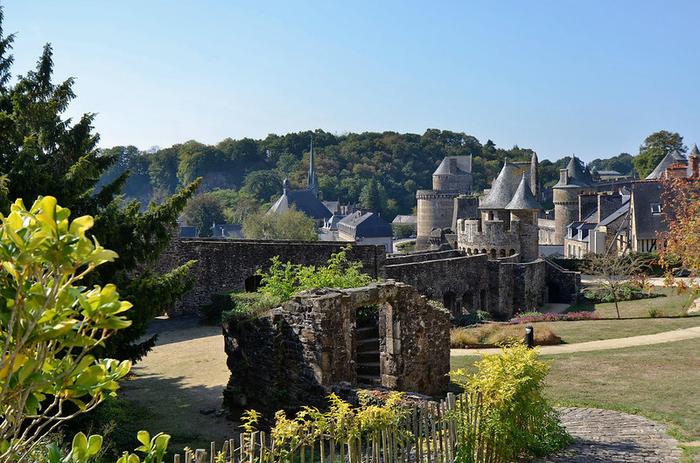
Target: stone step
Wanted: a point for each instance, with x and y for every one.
(367, 341)
(368, 379)
(367, 329)
(367, 356)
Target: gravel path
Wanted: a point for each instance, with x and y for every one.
(604, 436)
(605, 344)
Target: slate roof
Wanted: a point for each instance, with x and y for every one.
(333, 206)
(332, 223)
(624, 209)
(302, 200)
(502, 189)
(409, 219)
(454, 165)
(646, 223)
(227, 230)
(187, 231)
(523, 197)
(577, 175)
(365, 225)
(668, 160)
(695, 152)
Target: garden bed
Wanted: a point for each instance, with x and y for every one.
(496, 334)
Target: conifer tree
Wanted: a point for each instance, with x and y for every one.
(42, 152)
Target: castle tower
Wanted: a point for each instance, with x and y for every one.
(573, 181)
(435, 208)
(311, 179)
(524, 209)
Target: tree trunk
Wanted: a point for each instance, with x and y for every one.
(617, 309)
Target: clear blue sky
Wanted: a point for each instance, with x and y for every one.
(591, 78)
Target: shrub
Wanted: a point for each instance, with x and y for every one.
(629, 291)
(653, 312)
(249, 305)
(494, 334)
(533, 317)
(282, 281)
(51, 325)
(472, 318)
(517, 420)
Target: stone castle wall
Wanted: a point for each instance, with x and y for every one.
(226, 265)
(293, 355)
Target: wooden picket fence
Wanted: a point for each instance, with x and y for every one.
(428, 434)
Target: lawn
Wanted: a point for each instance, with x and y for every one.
(594, 330)
(671, 304)
(659, 381)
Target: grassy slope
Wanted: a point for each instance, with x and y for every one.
(659, 381)
(672, 304)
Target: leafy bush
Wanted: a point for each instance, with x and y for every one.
(341, 422)
(518, 422)
(472, 318)
(532, 317)
(249, 305)
(653, 312)
(51, 325)
(629, 291)
(86, 449)
(282, 281)
(494, 334)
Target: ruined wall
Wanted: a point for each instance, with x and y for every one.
(459, 282)
(562, 285)
(421, 256)
(224, 265)
(293, 355)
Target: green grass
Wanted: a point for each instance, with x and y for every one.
(672, 305)
(659, 381)
(594, 330)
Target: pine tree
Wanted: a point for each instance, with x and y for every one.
(44, 153)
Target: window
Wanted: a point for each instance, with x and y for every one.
(655, 208)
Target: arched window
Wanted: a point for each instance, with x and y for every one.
(483, 251)
(493, 253)
(512, 252)
(502, 253)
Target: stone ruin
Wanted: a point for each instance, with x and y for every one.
(385, 334)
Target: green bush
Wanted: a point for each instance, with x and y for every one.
(626, 292)
(248, 305)
(517, 421)
(283, 281)
(472, 318)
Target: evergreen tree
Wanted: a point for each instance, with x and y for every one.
(44, 153)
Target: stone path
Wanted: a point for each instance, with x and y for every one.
(604, 436)
(605, 344)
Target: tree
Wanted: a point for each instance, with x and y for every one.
(262, 184)
(370, 198)
(655, 147)
(289, 225)
(613, 272)
(202, 212)
(51, 323)
(43, 152)
(681, 241)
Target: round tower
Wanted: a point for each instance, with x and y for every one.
(573, 181)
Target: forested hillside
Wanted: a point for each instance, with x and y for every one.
(378, 170)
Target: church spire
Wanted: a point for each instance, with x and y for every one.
(311, 180)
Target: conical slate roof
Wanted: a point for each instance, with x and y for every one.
(502, 189)
(671, 158)
(457, 165)
(695, 152)
(523, 197)
(577, 176)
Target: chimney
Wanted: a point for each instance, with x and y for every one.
(694, 166)
(563, 176)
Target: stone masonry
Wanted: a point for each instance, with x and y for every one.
(294, 354)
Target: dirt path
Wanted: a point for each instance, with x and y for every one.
(605, 344)
(180, 382)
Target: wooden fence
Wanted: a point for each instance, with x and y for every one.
(429, 434)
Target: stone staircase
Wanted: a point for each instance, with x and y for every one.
(367, 338)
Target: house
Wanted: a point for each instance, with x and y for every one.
(366, 228)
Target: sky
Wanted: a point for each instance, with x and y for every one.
(562, 77)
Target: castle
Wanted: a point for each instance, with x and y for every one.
(501, 224)
(507, 222)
